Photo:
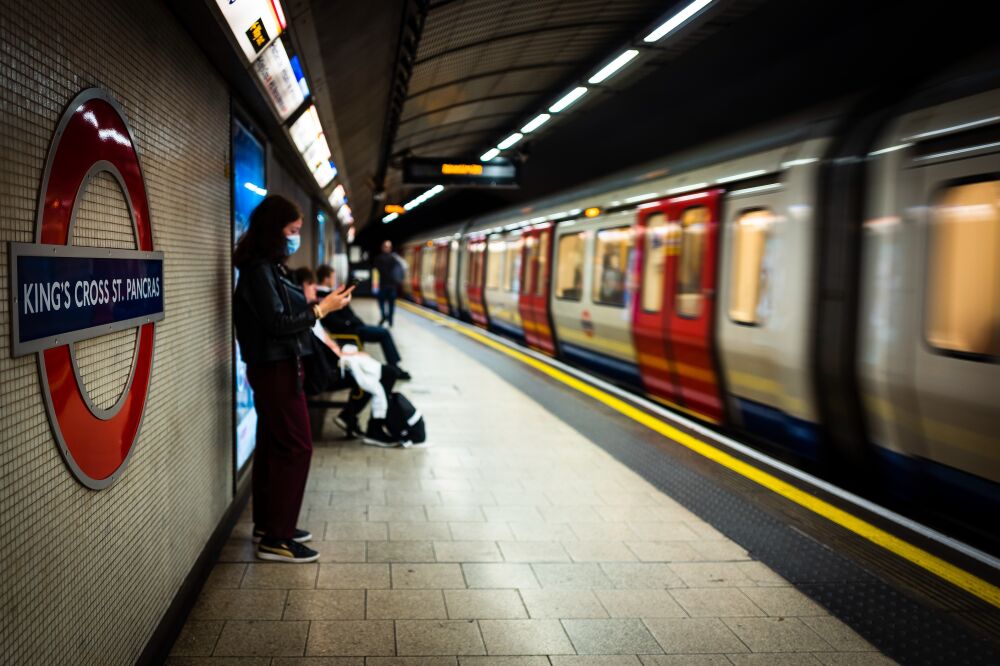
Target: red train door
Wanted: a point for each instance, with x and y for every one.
(657, 239)
(477, 276)
(691, 304)
(441, 277)
(415, 275)
(529, 255)
(539, 297)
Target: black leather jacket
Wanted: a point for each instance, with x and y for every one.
(273, 322)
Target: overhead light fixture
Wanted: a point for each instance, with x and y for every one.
(592, 212)
(510, 141)
(536, 122)
(489, 155)
(389, 218)
(571, 97)
(612, 67)
(677, 20)
(324, 172)
(306, 129)
(338, 197)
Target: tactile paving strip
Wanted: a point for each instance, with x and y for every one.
(895, 623)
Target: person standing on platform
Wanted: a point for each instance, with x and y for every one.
(346, 322)
(273, 338)
(391, 272)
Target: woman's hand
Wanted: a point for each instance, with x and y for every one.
(336, 300)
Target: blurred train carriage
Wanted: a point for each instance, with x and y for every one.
(828, 286)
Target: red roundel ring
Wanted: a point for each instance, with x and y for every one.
(92, 137)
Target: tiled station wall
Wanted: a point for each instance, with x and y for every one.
(85, 576)
(280, 181)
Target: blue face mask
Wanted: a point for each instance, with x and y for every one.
(292, 244)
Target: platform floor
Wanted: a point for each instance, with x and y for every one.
(512, 541)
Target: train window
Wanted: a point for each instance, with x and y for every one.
(749, 285)
(495, 264)
(611, 255)
(654, 262)
(694, 225)
(512, 273)
(569, 283)
(541, 276)
(530, 257)
(963, 307)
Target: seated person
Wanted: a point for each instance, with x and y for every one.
(324, 372)
(346, 322)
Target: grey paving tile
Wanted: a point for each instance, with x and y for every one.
(774, 659)
(325, 605)
(318, 661)
(484, 604)
(665, 531)
(225, 575)
(262, 638)
(720, 551)
(711, 574)
(503, 661)
(339, 551)
(560, 604)
(223, 604)
(685, 660)
(596, 551)
(351, 638)
(641, 575)
(611, 637)
(411, 661)
(783, 601)
(716, 602)
(772, 634)
(438, 637)
(664, 551)
(577, 576)
(571, 514)
(596, 660)
(507, 576)
(694, 636)
(405, 605)
(837, 634)
(401, 551)
(455, 514)
(280, 576)
(401, 514)
(607, 532)
(542, 531)
(467, 551)
(419, 532)
(427, 576)
(640, 603)
(760, 574)
(353, 576)
(853, 659)
(197, 639)
(341, 531)
(218, 661)
(480, 531)
(525, 637)
(533, 551)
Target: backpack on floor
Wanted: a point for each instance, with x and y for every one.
(404, 421)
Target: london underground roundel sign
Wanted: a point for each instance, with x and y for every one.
(62, 294)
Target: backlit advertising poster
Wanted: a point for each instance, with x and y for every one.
(249, 179)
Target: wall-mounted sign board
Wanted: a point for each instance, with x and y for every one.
(444, 171)
(254, 23)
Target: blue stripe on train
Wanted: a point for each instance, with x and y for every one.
(605, 365)
(772, 424)
(507, 329)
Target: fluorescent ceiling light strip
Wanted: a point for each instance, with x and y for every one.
(641, 197)
(612, 67)
(890, 149)
(536, 122)
(510, 141)
(759, 188)
(807, 160)
(741, 176)
(686, 188)
(568, 99)
(955, 128)
(959, 151)
(389, 218)
(677, 20)
(489, 155)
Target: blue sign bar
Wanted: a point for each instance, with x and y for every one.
(64, 294)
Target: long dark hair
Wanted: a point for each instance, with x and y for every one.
(264, 239)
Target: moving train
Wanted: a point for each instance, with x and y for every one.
(827, 287)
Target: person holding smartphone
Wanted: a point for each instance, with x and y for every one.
(272, 333)
(344, 321)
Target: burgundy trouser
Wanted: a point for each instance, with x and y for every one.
(284, 446)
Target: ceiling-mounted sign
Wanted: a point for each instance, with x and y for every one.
(443, 171)
(254, 23)
(275, 73)
(324, 172)
(61, 293)
(306, 129)
(338, 197)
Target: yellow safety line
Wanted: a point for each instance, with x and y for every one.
(927, 561)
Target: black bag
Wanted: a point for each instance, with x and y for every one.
(404, 421)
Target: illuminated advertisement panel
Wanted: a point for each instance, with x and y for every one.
(254, 23)
(306, 129)
(275, 73)
(248, 192)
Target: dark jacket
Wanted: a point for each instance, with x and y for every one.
(272, 321)
(385, 263)
(342, 321)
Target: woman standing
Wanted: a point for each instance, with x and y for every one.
(273, 338)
